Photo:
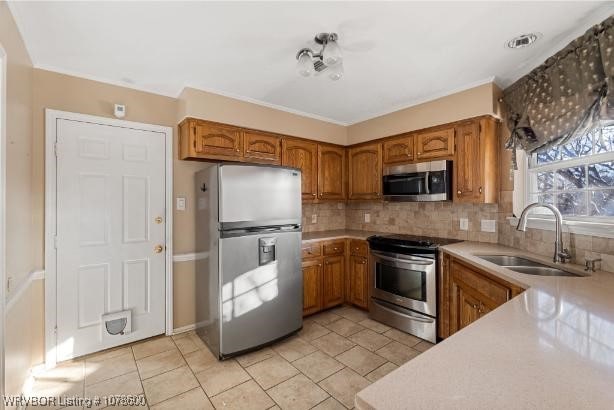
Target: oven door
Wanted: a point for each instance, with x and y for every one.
(405, 280)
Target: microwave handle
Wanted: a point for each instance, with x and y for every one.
(408, 260)
(427, 182)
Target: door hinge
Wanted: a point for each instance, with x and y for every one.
(55, 330)
(9, 283)
(55, 148)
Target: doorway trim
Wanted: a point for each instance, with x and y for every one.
(51, 117)
(3, 75)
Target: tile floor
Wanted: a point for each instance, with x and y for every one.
(338, 353)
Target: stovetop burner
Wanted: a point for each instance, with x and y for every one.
(408, 243)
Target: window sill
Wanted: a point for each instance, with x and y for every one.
(601, 229)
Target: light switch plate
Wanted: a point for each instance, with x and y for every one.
(314, 218)
(367, 218)
(180, 205)
(488, 225)
(464, 224)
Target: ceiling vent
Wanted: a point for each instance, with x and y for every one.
(523, 40)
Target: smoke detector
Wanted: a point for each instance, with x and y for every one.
(523, 40)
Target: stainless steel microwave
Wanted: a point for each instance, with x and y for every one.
(424, 181)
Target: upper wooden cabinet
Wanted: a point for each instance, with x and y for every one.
(435, 144)
(365, 172)
(399, 149)
(261, 147)
(209, 140)
(476, 174)
(303, 155)
(331, 172)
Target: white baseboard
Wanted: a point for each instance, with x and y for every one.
(193, 326)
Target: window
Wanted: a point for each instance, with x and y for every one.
(578, 177)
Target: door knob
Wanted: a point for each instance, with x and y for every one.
(158, 220)
(158, 248)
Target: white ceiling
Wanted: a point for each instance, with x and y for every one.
(396, 54)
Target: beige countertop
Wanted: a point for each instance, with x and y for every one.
(552, 347)
(338, 234)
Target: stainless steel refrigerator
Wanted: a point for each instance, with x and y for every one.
(248, 272)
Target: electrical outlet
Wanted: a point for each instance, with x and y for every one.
(464, 224)
(314, 218)
(180, 206)
(367, 218)
(488, 225)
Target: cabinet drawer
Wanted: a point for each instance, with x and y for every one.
(311, 250)
(334, 248)
(495, 291)
(359, 248)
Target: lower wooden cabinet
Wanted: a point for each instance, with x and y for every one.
(332, 275)
(359, 281)
(467, 293)
(312, 286)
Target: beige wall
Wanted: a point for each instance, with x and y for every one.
(214, 107)
(465, 104)
(22, 319)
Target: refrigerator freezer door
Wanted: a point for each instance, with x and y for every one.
(261, 290)
(258, 196)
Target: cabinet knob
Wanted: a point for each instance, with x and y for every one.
(313, 194)
(459, 192)
(480, 190)
(237, 150)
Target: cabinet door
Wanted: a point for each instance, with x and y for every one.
(217, 140)
(467, 307)
(359, 281)
(303, 155)
(398, 150)
(468, 164)
(435, 144)
(261, 147)
(332, 281)
(365, 164)
(312, 286)
(331, 172)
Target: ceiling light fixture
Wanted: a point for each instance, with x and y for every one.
(523, 40)
(329, 58)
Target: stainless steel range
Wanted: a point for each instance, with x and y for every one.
(404, 282)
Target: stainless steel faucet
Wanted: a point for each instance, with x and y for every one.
(561, 254)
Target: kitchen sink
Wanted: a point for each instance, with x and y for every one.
(541, 270)
(527, 266)
(507, 260)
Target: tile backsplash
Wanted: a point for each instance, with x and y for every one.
(442, 219)
(329, 216)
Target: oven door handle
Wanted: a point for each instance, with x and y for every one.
(408, 261)
(406, 315)
(427, 188)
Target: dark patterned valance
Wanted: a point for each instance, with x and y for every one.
(567, 95)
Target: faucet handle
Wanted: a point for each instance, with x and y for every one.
(564, 255)
(590, 263)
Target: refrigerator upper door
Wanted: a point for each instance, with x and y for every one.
(261, 290)
(252, 195)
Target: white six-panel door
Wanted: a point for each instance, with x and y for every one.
(110, 234)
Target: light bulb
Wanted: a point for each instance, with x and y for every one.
(332, 53)
(336, 71)
(304, 66)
